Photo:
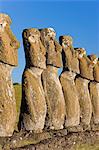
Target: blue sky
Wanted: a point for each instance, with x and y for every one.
(80, 19)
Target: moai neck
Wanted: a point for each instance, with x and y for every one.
(7, 69)
(52, 69)
(69, 75)
(36, 71)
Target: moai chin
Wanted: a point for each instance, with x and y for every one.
(69, 54)
(33, 98)
(8, 60)
(52, 87)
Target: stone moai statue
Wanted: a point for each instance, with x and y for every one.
(33, 98)
(70, 69)
(8, 60)
(52, 87)
(86, 74)
(94, 93)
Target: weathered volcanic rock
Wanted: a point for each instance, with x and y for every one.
(86, 67)
(84, 100)
(71, 99)
(53, 48)
(8, 59)
(8, 42)
(7, 101)
(95, 63)
(33, 100)
(54, 98)
(34, 49)
(69, 54)
(94, 94)
(96, 71)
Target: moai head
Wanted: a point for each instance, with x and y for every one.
(81, 52)
(66, 41)
(8, 42)
(94, 59)
(53, 48)
(34, 49)
(47, 35)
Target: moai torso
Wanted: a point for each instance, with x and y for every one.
(84, 100)
(52, 87)
(33, 99)
(69, 54)
(8, 60)
(71, 99)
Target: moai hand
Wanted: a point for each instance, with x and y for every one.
(8, 60)
(86, 67)
(69, 54)
(52, 87)
(33, 98)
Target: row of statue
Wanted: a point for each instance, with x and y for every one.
(49, 101)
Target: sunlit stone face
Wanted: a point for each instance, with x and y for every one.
(93, 59)
(48, 34)
(66, 41)
(34, 49)
(81, 52)
(8, 42)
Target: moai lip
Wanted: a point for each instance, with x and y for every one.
(54, 98)
(69, 54)
(85, 64)
(84, 100)
(53, 48)
(71, 99)
(34, 50)
(8, 43)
